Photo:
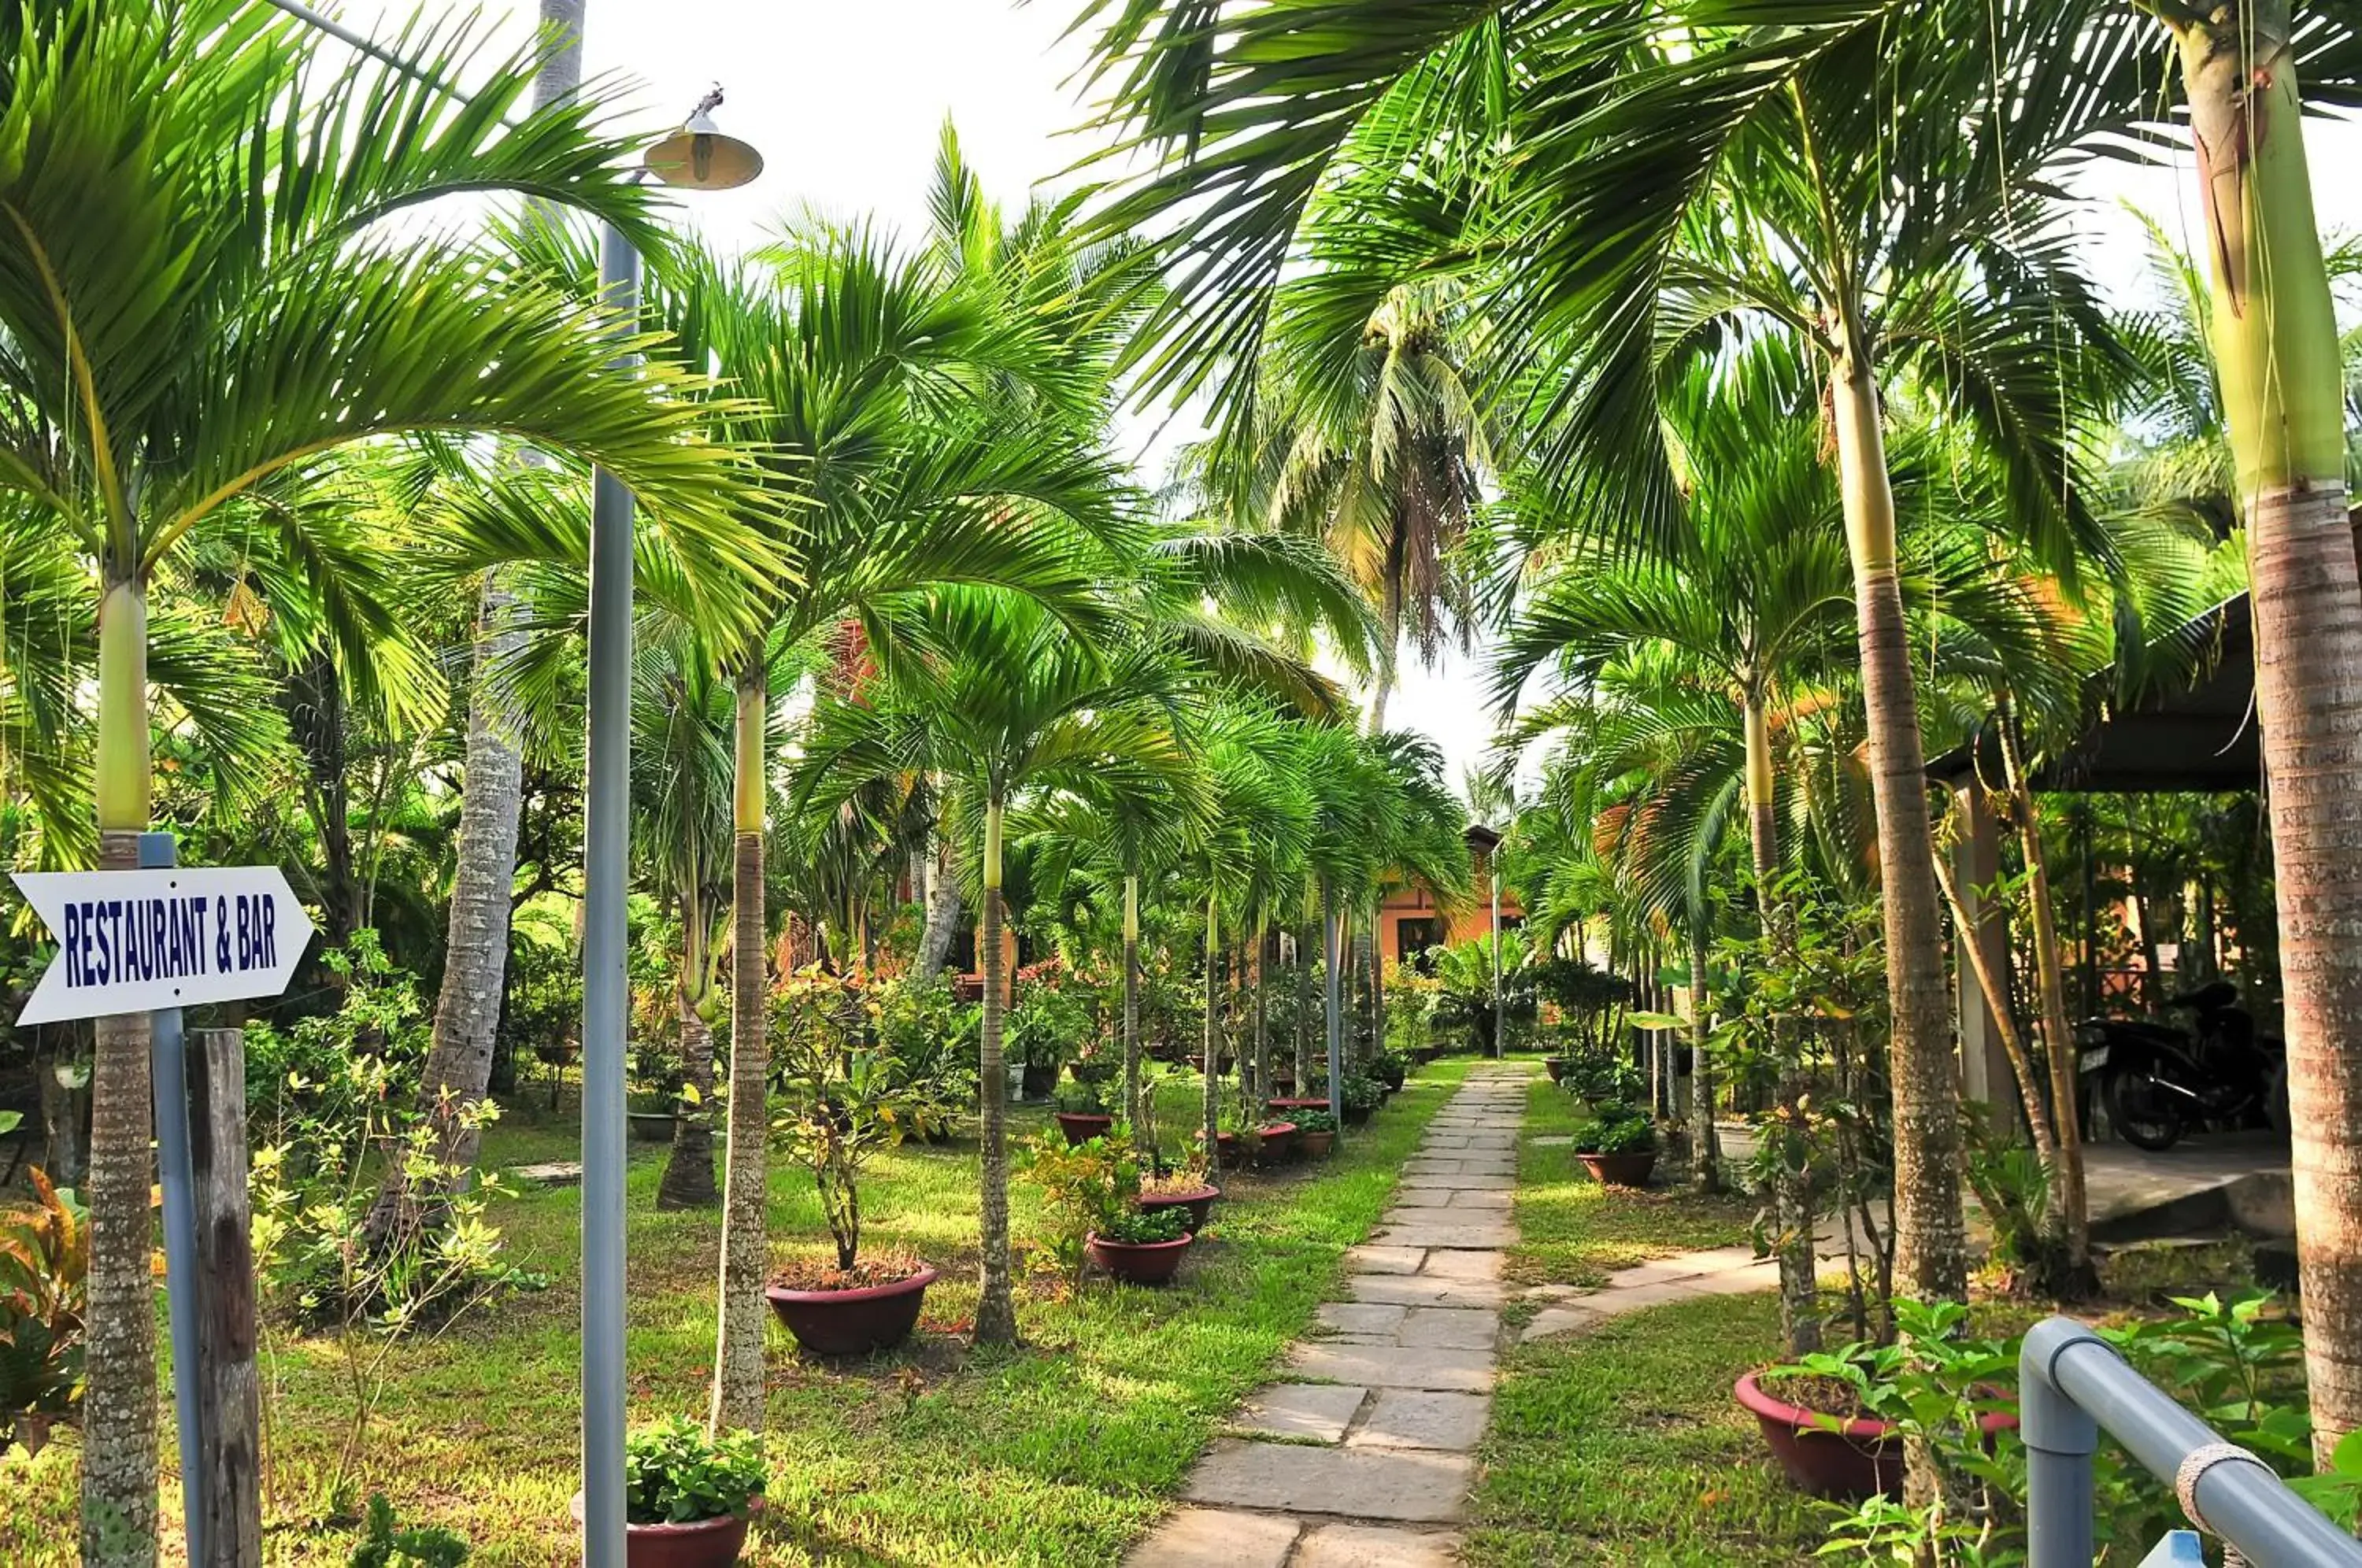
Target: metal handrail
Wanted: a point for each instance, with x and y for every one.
(2073, 1385)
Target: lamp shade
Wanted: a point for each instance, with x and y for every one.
(700, 157)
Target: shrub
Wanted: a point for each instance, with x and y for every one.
(845, 1103)
(1140, 1228)
(1084, 1187)
(1314, 1122)
(931, 1039)
(420, 1546)
(673, 1473)
(1362, 1094)
(1617, 1127)
(1048, 1022)
(44, 1291)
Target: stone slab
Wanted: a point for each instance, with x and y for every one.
(552, 1172)
(1370, 1484)
(1369, 1546)
(1481, 1198)
(1362, 1317)
(1572, 1318)
(1449, 1328)
(1488, 1232)
(1555, 1140)
(1425, 1290)
(1217, 1538)
(1423, 1196)
(1409, 1418)
(1389, 1366)
(1461, 1264)
(1385, 1260)
(1459, 1183)
(1319, 1411)
(1687, 1266)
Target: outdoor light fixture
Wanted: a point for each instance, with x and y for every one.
(699, 156)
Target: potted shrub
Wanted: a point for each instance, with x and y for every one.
(1082, 1114)
(687, 1497)
(1316, 1132)
(1617, 1145)
(1275, 1140)
(1143, 1247)
(1392, 1068)
(932, 1038)
(1085, 1187)
(1187, 1193)
(845, 1110)
(1046, 1021)
(1361, 1096)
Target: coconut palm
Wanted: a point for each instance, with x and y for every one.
(997, 695)
(199, 308)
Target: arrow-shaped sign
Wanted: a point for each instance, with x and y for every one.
(136, 941)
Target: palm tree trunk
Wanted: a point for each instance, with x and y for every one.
(1213, 1092)
(1261, 973)
(995, 1308)
(1305, 941)
(942, 909)
(1931, 1242)
(118, 1467)
(1131, 1001)
(2276, 346)
(687, 1180)
(1705, 1172)
(738, 1345)
(1792, 1220)
(2071, 1213)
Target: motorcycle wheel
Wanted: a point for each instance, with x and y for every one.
(2142, 1113)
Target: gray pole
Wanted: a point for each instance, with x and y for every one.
(1493, 864)
(606, 842)
(1335, 1004)
(176, 1174)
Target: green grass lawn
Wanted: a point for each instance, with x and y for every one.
(1063, 1451)
(1575, 1231)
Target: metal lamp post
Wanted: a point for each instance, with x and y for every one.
(697, 156)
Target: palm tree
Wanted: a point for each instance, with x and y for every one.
(999, 697)
(199, 308)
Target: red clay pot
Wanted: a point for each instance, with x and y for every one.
(1620, 1170)
(1081, 1126)
(1556, 1067)
(1850, 1460)
(1316, 1144)
(702, 1543)
(852, 1322)
(1300, 1103)
(1278, 1142)
(1196, 1204)
(1137, 1263)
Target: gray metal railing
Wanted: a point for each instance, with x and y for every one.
(2072, 1386)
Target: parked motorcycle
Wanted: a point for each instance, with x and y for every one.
(2158, 1080)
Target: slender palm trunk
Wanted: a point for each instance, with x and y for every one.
(1996, 994)
(942, 909)
(738, 1345)
(2070, 1214)
(118, 1465)
(1257, 976)
(996, 1308)
(1304, 943)
(1792, 1220)
(1931, 1242)
(1131, 1001)
(687, 1180)
(2276, 346)
(1213, 1095)
(1705, 1168)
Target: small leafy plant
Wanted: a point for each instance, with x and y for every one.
(1313, 1121)
(1086, 1187)
(846, 1102)
(673, 1473)
(1139, 1227)
(44, 1291)
(1617, 1127)
(1084, 1099)
(1362, 1094)
(420, 1546)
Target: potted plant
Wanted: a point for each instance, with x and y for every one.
(687, 1497)
(1617, 1145)
(1045, 1022)
(845, 1109)
(1361, 1096)
(1187, 1193)
(1392, 1068)
(932, 1038)
(1082, 1114)
(1086, 1187)
(44, 1295)
(1143, 1247)
(1316, 1132)
(1277, 1142)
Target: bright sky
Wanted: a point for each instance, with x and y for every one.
(846, 97)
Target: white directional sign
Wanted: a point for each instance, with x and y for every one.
(137, 941)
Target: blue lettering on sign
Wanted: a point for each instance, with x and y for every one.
(108, 940)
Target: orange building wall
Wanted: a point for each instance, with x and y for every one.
(1471, 921)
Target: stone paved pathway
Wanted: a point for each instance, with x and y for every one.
(1363, 1459)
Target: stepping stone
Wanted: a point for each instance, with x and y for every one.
(1216, 1537)
(553, 1173)
(1385, 1260)
(1557, 1140)
(1458, 1182)
(1388, 1366)
(1362, 1317)
(1449, 1328)
(1686, 1266)
(1423, 1197)
(1572, 1318)
(1479, 1265)
(1477, 1197)
(1422, 1169)
(1425, 1290)
(1373, 1484)
(1368, 1546)
(1320, 1411)
(1490, 1231)
(1404, 1417)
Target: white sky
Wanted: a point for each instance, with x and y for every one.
(846, 97)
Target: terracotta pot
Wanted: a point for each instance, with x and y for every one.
(1849, 1461)
(651, 1126)
(1280, 1107)
(1556, 1067)
(1137, 1263)
(1081, 1127)
(1196, 1204)
(1279, 1142)
(702, 1543)
(852, 1322)
(1620, 1170)
(1316, 1144)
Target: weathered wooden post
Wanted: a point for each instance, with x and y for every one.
(228, 1389)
